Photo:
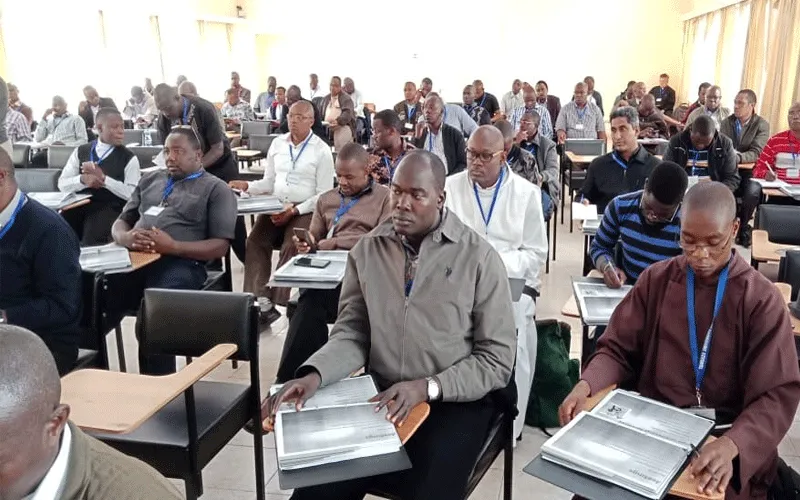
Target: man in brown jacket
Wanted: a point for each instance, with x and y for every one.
(342, 216)
(339, 114)
(42, 455)
(426, 306)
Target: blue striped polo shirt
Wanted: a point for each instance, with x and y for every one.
(642, 243)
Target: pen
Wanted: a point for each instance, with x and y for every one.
(770, 169)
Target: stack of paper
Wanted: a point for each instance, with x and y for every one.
(104, 258)
(58, 200)
(590, 227)
(791, 190)
(630, 441)
(259, 204)
(584, 212)
(596, 301)
(776, 184)
(333, 273)
(335, 425)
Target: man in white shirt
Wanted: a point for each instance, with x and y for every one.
(512, 99)
(507, 210)
(62, 128)
(315, 89)
(108, 171)
(140, 108)
(299, 168)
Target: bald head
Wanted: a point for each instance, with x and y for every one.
(187, 88)
(708, 228)
(486, 155)
(711, 198)
(581, 93)
(488, 135)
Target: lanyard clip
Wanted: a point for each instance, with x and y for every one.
(699, 397)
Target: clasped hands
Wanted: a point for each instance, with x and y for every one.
(151, 240)
(92, 176)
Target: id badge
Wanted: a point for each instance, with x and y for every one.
(793, 173)
(579, 126)
(292, 178)
(702, 411)
(154, 211)
(658, 99)
(409, 126)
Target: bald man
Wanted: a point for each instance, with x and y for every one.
(579, 118)
(42, 454)
(652, 124)
(58, 127)
(512, 99)
(750, 378)
(712, 108)
(437, 137)
(456, 357)
(88, 109)
(506, 210)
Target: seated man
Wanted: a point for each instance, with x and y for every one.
(439, 138)
(389, 145)
(664, 94)
(299, 168)
(457, 117)
(16, 104)
(89, 108)
(507, 210)
(339, 114)
(342, 216)
(712, 108)
(17, 127)
(749, 134)
(185, 215)
(355, 95)
(391, 318)
(652, 123)
(579, 118)
(108, 171)
(531, 105)
(45, 455)
(243, 93)
(278, 108)
(702, 142)
(62, 129)
(292, 96)
(752, 380)
(781, 156)
(551, 102)
(410, 109)
(624, 169)
(140, 108)
(265, 99)
(486, 100)
(477, 113)
(701, 100)
(512, 99)
(235, 111)
(40, 277)
(544, 149)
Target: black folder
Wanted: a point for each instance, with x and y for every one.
(343, 471)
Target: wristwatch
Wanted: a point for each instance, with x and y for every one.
(434, 390)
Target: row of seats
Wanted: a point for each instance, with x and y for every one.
(57, 156)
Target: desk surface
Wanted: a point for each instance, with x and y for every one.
(233, 135)
(247, 153)
(774, 192)
(570, 308)
(580, 159)
(141, 259)
(76, 204)
(764, 250)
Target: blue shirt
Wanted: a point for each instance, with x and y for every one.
(641, 243)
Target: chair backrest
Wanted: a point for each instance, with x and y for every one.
(317, 102)
(145, 154)
(57, 156)
(21, 155)
(261, 142)
(254, 128)
(789, 271)
(781, 222)
(190, 322)
(133, 136)
(586, 147)
(37, 180)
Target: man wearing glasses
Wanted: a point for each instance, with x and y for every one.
(707, 332)
(711, 108)
(505, 209)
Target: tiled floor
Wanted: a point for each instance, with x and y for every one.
(230, 475)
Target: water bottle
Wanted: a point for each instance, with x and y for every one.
(148, 139)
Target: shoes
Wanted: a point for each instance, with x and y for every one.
(745, 236)
(268, 314)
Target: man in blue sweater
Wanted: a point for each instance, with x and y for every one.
(40, 274)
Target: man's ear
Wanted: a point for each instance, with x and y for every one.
(57, 421)
(440, 201)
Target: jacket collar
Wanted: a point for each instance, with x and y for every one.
(450, 228)
(75, 481)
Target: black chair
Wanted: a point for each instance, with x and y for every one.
(220, 280)
(254, 128)
(184, 436)
(21, 156)
(57, 156)
(145, 154)
(261, 142)
(781, 222)
(132, 136)
(38, 180)
(789, 271)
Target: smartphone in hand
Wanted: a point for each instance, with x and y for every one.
(304, 235)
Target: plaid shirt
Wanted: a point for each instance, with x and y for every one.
(17, 126)
(241, 111)
(545, 124)
(382, 166)
(69, 129)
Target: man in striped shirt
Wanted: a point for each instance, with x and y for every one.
(17, 126)
(532, 105)
(780, 158)
(62, 128)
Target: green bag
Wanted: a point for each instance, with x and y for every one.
(555, 374)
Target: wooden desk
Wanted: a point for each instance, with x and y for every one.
(233, 135)
(746, 166)
(246, 154)
(786, 291)
(774, 192)
(580, 159)
(570, 308)
(76, 205)
(115, 402)
(764, 250)
(141, 259)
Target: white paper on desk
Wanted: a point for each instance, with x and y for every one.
(583, 212)
(104, 258)
(776, 184)
(33, 144)
(334, 272)
(58, 200)
(348, 391)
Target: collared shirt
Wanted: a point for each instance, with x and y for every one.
(478, 114)
(240, 111)
(382, 164)
(435, 145)
(244, 94)
(146, 109)
(717, 115)
(52, 486)
(301, 181)
(68, 128)
(5, 214)
(545, 124)
(363, 216)
(523, 163)
(580, 123)
(607, 179)
(263, 102)
(510, 102)
(17, 126)
(456, 324)
(458, 118)
(782, 153)
(70, 180)
(315, 92)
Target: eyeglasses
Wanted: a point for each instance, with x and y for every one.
(713, 250)
(484, 156)
(188, 127)
(654, 218)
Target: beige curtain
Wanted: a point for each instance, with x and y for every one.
(781, 63)
(3, 68)
(689, 40)
(756, 47)
(155, 32)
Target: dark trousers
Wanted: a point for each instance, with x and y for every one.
(308, 329)
(443, 452)
(92, 222)
(65, 360)
(177, 274)
(749, 191)
(239, 243)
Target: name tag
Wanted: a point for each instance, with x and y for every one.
(658, 99)
(292, 178)
(793, 173)
(154, 211)
(579, 126)
(409, 126)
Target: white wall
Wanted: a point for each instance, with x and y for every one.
(560, 42)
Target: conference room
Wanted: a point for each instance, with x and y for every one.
(194, 231)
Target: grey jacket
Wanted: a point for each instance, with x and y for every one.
(753, 139)
(457, 323)
(547, 160)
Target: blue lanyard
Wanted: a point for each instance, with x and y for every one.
(581, 116)
(482, 100)
(302, 148)
(700, 360)
(430, 139)
(494, 199)
(619, 161)
(738, 125)
(171, 185)
(13, 218)
(93, 154)
(392, 165)
(185, 119)
(532, 149)
(410, 112)
(344, 208)
(661, 92)
(694, 160)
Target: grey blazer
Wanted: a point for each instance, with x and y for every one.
(753, 139)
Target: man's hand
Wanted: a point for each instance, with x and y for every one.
(302, 246)
(585, 202)
(162, 243)
(770, 176)
(136, 240)
(91, 181)
(520, 137)
(92, 169)
(613, 276)
(47, 113)
(240, 185)
(283, 218)
(295, 391)
(562, 136)
(574, 402)
(401, 398)
(714, 465)
(327, 244)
